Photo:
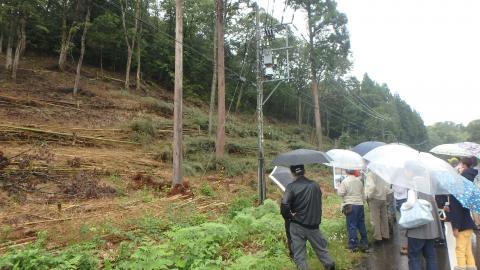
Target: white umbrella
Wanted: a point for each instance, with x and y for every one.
(345, 159)
(451, 150)
(406, 167)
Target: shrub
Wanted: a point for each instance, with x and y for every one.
(236, 166)
(240, 148)
(159, 106)
(192, 168)
(196, 117)
(198, 145)
(297, 144)
(164, 154)
(207, 190)
(144, 130)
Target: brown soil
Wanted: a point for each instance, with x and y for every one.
(67, 162)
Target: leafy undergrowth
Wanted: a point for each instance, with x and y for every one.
(245, 237)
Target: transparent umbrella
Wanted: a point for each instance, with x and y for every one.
(450, 149)
(345, 159)
(403, 166)
(470, 147)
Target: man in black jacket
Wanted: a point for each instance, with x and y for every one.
(302, 206)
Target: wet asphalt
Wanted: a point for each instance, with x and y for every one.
(386, 255)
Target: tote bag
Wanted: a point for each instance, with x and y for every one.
(420, 214)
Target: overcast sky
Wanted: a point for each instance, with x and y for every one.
(428, 51)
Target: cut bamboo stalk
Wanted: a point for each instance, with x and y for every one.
(56, 220)
(66, 134)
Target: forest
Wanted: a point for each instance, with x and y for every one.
(136, 38)
(87, 117)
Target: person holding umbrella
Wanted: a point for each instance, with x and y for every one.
(351, 190)
(421, 239)
(302, 207)
(462, 222)
(376, 191)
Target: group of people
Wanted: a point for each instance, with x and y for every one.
(301, 208)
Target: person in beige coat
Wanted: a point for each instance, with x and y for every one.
(352, 193)
(376, 191)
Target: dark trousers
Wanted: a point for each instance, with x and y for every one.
(419, 247)
(356, 222)
(300, 235)
(289, 238)
(398, 203)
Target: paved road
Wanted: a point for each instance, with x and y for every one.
(387, 256)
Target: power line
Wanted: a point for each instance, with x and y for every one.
(244, 61)
(365, 104)
(358, 106)
(362, 109)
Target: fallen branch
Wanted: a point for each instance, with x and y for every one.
(112, 79)
(19, 241)
(16, 245)
(55, 220)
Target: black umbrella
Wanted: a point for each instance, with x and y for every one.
(365, 147)
(281, 176)
(301, 156)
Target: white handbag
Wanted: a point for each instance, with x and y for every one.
(418, 215)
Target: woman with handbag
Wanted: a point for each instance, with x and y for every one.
(421, 239)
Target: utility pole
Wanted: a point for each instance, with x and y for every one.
(220, 142)
(261, 159)
(178, 97)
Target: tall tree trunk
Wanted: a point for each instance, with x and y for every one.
(23, 41)
(313, 71)
(101, 61)
(9, 50)
(67, 35)
(127, 70)
(328, 123)
(1, 43)
(21, 37)
(220, 142)
(82, 52)
(239, 99)
(130, 45)
(178, 97)
(139, 62)
(65, 48)
(213, 89)
(139, 49)
(318, 123)
(300, 111)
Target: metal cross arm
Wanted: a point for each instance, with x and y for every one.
(283, 48)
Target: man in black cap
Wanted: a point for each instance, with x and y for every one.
(302, 206)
